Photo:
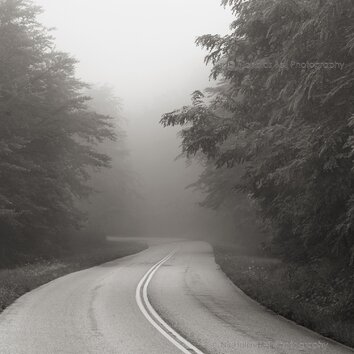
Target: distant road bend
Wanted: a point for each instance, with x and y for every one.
(169, 299)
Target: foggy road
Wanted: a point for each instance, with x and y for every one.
(171, 298)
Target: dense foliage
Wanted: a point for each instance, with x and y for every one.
(284, 112)
(48, 135)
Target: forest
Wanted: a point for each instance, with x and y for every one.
(57, 134)
(273, 137)
(278, 127)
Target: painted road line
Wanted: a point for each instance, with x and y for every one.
(154, 318)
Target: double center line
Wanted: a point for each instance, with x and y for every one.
(154, 318)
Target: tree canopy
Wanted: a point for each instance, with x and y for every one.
(283, 113)
(48, 136)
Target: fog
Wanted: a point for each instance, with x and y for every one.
(146, 51)
(111, 241)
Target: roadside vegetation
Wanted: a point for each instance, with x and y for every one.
(277, 141)
(34, 272)
(317, 295)
(64, 173)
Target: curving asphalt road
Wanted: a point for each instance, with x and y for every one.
(171, 298)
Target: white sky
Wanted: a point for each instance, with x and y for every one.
(139, 46)
(146, 50)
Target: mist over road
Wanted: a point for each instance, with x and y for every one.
(187, 298)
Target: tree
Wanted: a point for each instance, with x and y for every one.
(284, 110)
(48, 135)
(112, 207)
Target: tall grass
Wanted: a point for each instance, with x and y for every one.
(319, 295)
(16, 281)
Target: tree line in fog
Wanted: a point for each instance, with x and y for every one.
(278, 129)
(54, 138)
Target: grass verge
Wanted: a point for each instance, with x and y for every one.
(318, 296)
(17, 281)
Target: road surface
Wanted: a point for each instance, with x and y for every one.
(169, 299)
